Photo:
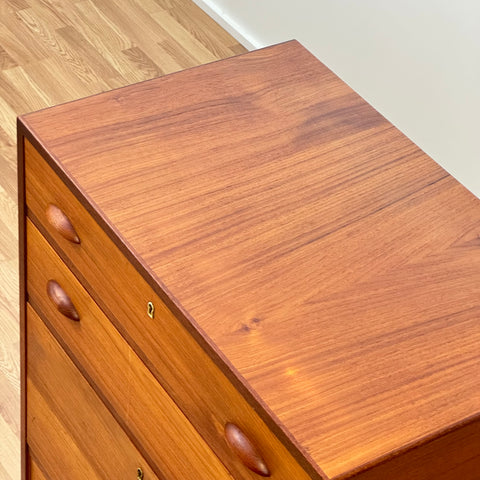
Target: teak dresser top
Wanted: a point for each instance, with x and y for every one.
(327, 263)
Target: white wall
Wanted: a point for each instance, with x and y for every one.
(416, 61)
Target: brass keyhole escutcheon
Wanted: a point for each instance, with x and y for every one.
(150, 309)
(139, 474)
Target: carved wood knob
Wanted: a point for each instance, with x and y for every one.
(61, 300)
(245, 450)
(61, 223)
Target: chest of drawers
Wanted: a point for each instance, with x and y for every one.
(243, 270)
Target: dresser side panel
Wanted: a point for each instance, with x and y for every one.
(22, 294)
(453, 455)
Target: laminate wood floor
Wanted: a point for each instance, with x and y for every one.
(53, 51)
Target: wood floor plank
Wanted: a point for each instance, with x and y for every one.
(143, 30)
(6, 61)
(7, 118)
(56, 51)
(33, 95)
(84, 67)
(195, 20)
(183, 37)
(18, 4)
(29, 48)
(3, 473)
(4, 138)
(142, 61)
(108, 39)
(8, 219)
(8, 171)
(9, 451)
(85, 49)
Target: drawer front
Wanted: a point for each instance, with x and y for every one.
(35, 472)
(141, 405)
(192, 379)
(69, 429)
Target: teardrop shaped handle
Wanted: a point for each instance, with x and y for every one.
(61, 223)
(61, 300)
(245, 450)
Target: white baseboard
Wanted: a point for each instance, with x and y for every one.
(228, 24)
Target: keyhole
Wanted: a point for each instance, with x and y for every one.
(139, 474)
(150, 309)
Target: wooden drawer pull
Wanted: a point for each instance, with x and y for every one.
(61, 223)
(245, 450)
(61, 300)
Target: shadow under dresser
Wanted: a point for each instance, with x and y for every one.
(242, 270)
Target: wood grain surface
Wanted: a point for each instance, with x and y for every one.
(35, 472)
(329, 260)
(137, 400)
(206, 396)
(66, 416)
(452, 455)
(52, 52)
